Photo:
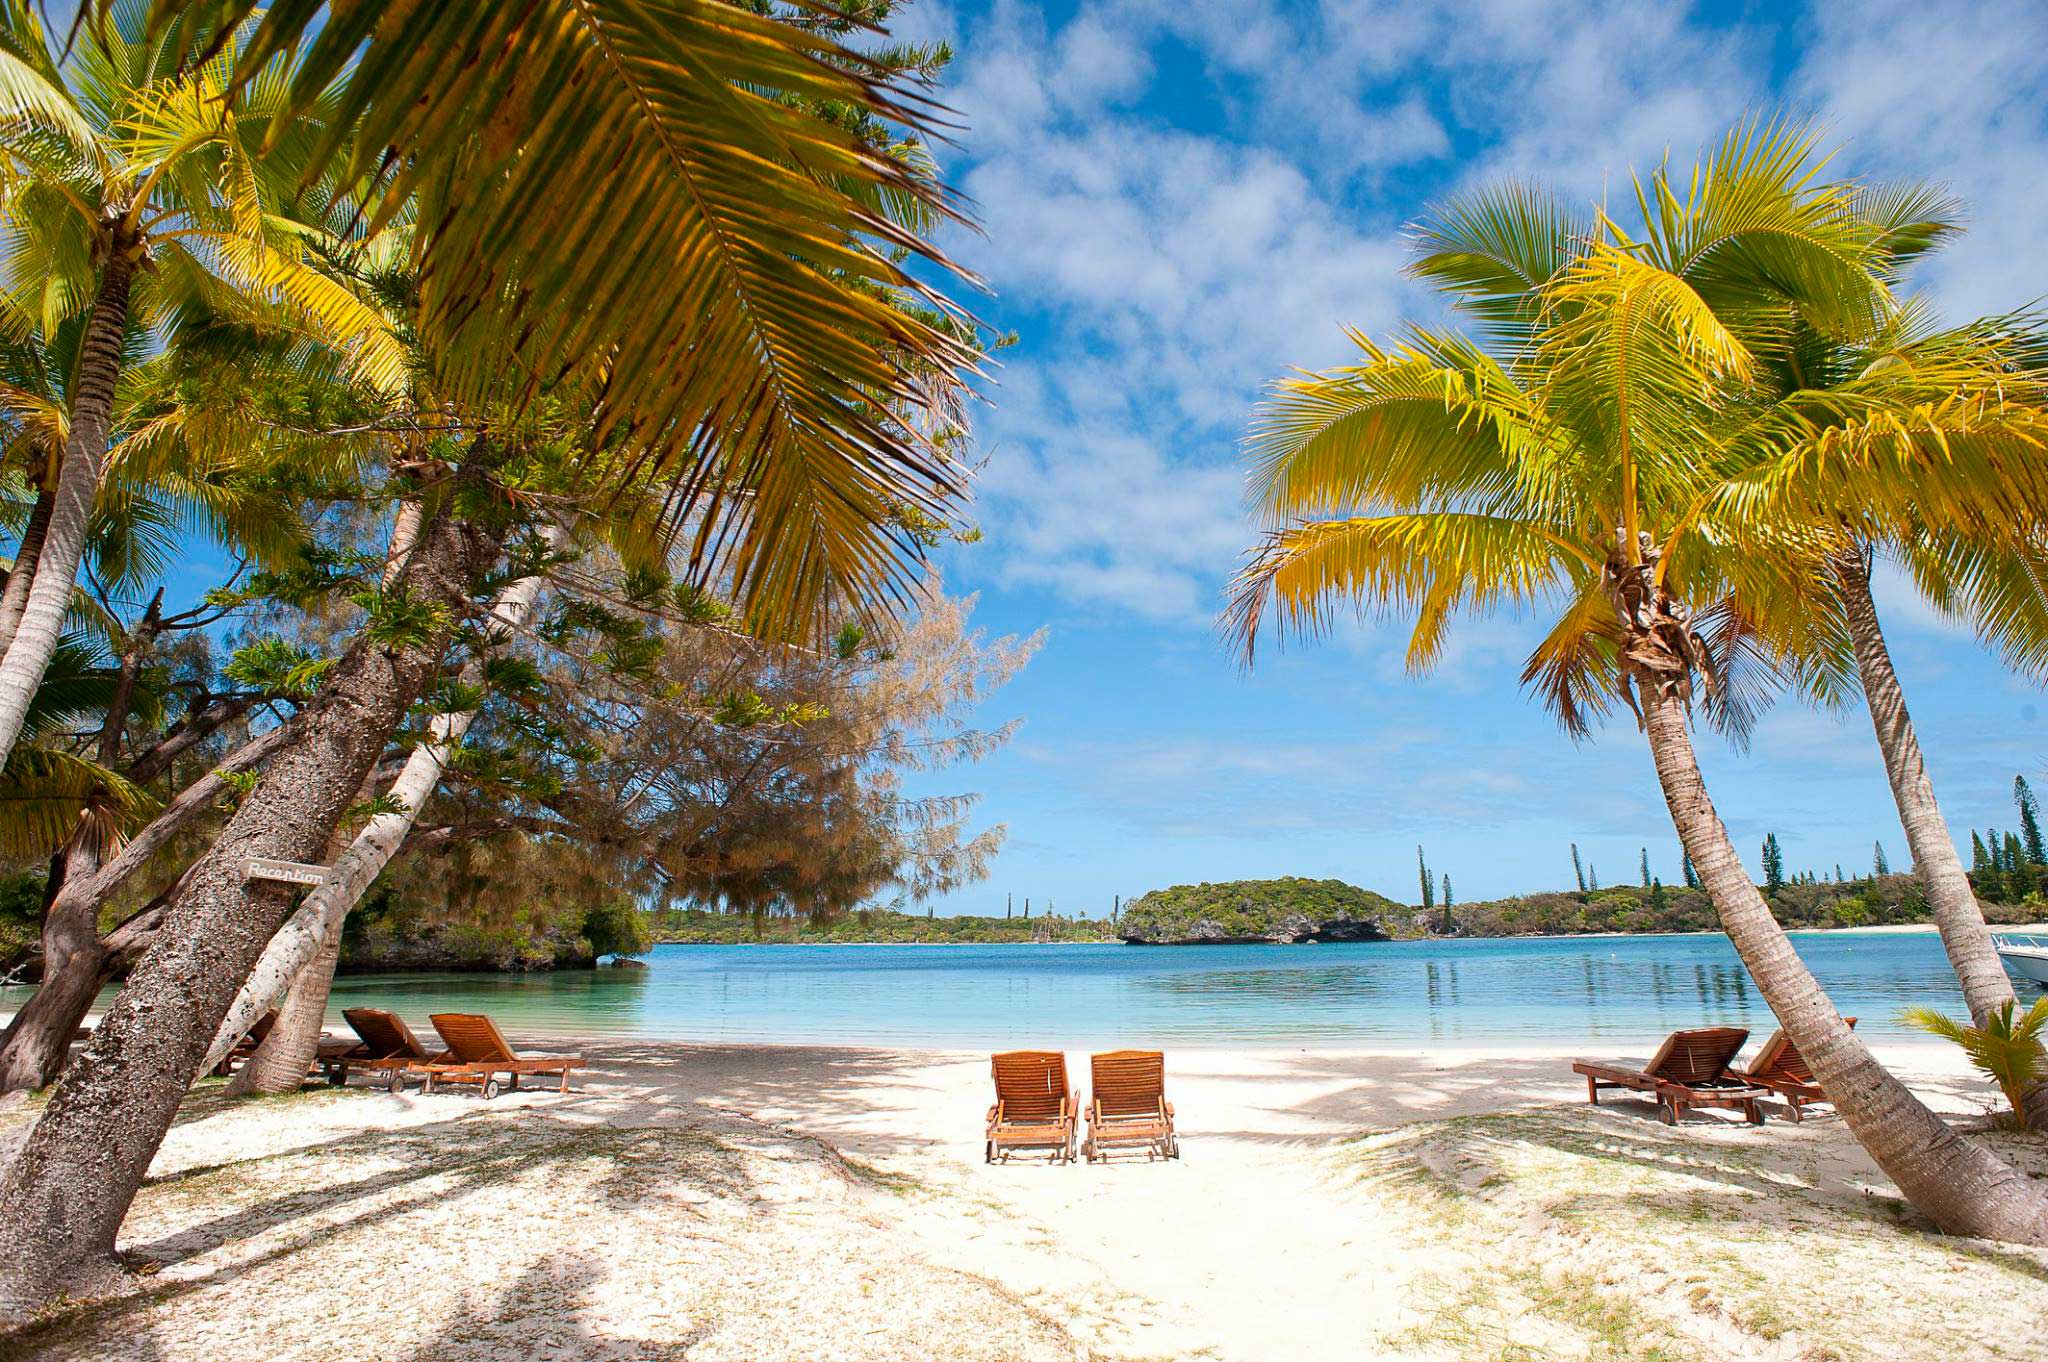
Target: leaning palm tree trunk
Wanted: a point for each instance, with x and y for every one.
(14, 596)
(65, 1194)
(78, 484)
(299, 961)
(1964, 934)
(1956, 1182)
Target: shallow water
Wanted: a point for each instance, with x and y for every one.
(1492, 993)
(1524, 991)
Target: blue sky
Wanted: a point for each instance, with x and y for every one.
(1183, 200)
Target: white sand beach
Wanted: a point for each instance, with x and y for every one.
(752, 1203)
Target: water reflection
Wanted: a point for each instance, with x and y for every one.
(1624, 991)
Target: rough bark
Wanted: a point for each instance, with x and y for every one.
(14, 596)
(1957, 915)
(1956, 1182)
(312, 934)
(78, 484)
(64, 1196)
(39, 1036)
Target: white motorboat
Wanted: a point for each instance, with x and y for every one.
(2026, 956)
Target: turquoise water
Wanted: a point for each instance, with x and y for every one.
(1517, 992)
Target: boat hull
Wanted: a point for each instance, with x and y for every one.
(2027, 964)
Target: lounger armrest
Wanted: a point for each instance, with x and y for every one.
(1169, 1109)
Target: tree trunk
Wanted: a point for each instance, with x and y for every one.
(14, 596)
(78, 484)
(63, 1198)
(1956, 1182)
(39, 1037)
(1964, 933)
(312, 933)
(282, 1062)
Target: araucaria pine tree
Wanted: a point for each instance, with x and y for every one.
(2030, 822)
(1774, 864)
(1646, 867)
(1692, 877)
(1428, 884)
(1878, 864)
(1578, 868)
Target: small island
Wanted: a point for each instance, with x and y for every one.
(1255, 912)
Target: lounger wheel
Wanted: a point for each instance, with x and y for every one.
(1667, 1113)
(1754, 1114)
(396, 1083)
(491, 1088)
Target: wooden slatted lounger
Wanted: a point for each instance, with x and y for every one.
(1034, 1107)
(389, 1047)
(1127, 1106)
(1780, 1067)
(478, 1052)
(1690, 1069)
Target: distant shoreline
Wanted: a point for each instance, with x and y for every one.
(1886, 929)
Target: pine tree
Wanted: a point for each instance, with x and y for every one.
(1774, 864)
(1009, 906)
(1593, 875)
(1838, 872)
(1692, 877)
(1657, 895)
(1428, 885)
(2019, 872)
(1980, 860)
(1646, 867)
(1578, 870)
(2030, 822)
(1878, 864)
(1447, 893)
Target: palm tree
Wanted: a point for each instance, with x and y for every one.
(1963, 420)
(1585, 471)
(128, 178)
(634, 212)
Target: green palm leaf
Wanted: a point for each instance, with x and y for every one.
(638, 192)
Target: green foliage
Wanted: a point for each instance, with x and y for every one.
(1578, 868)
(1428, 888)
(1879, 866)
(617, 927)
(2006, 1048)
(1690, 875)
(1254, 909)
(275, 667)
(21, 916)
(397, 619)
(1774, 864)
(698, 927)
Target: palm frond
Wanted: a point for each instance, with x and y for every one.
(50, 798)
(639, 192)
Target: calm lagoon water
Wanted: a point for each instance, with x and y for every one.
(1517, 992)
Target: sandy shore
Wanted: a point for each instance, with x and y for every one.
(756, 1203)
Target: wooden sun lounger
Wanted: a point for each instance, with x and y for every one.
(1690, 1069)
(478, 1052)
(388, 1047)
(1127, 1106)
(1780, 1067)
(1035, 1109)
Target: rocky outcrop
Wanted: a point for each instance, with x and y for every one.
(1257, 912)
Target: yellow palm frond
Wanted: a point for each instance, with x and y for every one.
(1431, 561)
